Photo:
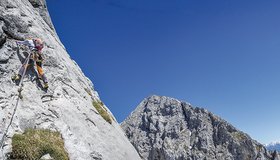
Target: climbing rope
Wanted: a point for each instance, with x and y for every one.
(16, 105)
(6, 131)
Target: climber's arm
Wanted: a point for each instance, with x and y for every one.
(28, 43)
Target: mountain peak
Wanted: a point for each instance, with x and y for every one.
(165, 128)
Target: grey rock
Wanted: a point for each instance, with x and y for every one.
(67, 106)
(277, 156)
(96, 156)
(46, 157)
(5, 53)
(2, 35)
(163, 128)
(41, 6)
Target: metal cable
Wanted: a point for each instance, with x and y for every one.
(17, 102)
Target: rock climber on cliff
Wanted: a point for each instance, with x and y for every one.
(35, 45)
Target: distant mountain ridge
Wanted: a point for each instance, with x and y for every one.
(273, 146)
(164, 128)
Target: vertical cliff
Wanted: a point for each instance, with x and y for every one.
(70, 107)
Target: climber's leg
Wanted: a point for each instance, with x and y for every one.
(21, 70)
(41, 74)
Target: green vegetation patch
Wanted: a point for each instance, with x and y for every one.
(102, 111)
(35, 143)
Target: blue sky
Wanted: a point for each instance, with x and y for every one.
(222, 55)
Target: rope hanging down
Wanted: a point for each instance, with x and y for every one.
(17, 102)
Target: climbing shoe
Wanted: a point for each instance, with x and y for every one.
(46, 86)
(16, 77)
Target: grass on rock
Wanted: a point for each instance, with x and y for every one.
(102, 111)
(35, 143)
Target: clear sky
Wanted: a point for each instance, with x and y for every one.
(223, 55)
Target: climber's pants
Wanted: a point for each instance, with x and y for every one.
(41, 72)
(39, 69)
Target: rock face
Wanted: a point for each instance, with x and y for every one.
(67, 106)
(163, 128)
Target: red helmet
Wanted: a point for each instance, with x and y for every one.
(38, 44)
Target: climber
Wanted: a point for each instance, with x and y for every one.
(35, 45)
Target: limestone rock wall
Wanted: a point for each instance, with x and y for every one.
(67, 106)
(163, 128)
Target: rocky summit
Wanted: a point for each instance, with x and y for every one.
(69, 114)
(163, 128)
